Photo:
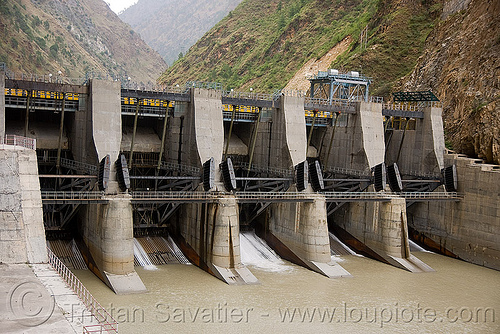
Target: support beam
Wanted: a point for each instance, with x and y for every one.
(61, 129)
(162, 147)
(254, 140)
(138, 106)
(331, 138)
(230, 132)
(312, 129)
(27, 115)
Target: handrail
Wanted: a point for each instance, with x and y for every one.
(106, 322)
(47, 78)
(71, 195)
(269, 170)
(18, 141)
(430, 195)
(347, 171)
(190, 170)
(333, 102)
(248, 95)
(405, 106)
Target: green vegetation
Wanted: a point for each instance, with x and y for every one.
(396, 39)
(263, 43)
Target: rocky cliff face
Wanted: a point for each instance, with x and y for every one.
(461, 64)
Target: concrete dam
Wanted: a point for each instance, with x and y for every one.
(101, 162)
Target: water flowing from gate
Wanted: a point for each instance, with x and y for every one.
(142, 257)
(255, 252)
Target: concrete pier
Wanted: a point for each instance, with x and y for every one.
(419, 151)
(107, 229)
(358, 139)
(210, 237)
(297, 231)
(382, 228)
(209, 232)
(377, 228)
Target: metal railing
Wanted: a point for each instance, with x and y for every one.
(347, 171)
(70, 164)
(153, 87)
(356, 196)
(404, 106)
(427, 196)
(18, 141)
(48, 195)
(343, 103)
(411, 106)
(40, 103)
(47, 78)
(203, 84)
(248, 95)
(245, 196)
(376, 99)
(106, 322)
(266, 170)
(239, 116)
(289, 92)
(79, 166)
(170, 166)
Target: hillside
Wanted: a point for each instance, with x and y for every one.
(74, 37)
(171, 27)
(263, 43)
(448, 46)
(461, 64)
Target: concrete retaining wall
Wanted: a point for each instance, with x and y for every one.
(470, 228)
(22, 234)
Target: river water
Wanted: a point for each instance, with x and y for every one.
(458, 298)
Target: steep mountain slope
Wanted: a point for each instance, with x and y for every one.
(74, 37)
(449, 46)
(263, 43)
(171, 27)
(461, 64)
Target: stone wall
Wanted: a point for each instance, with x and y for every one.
(22, 234)
(470, 228)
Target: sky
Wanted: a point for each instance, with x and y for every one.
(118, 5)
